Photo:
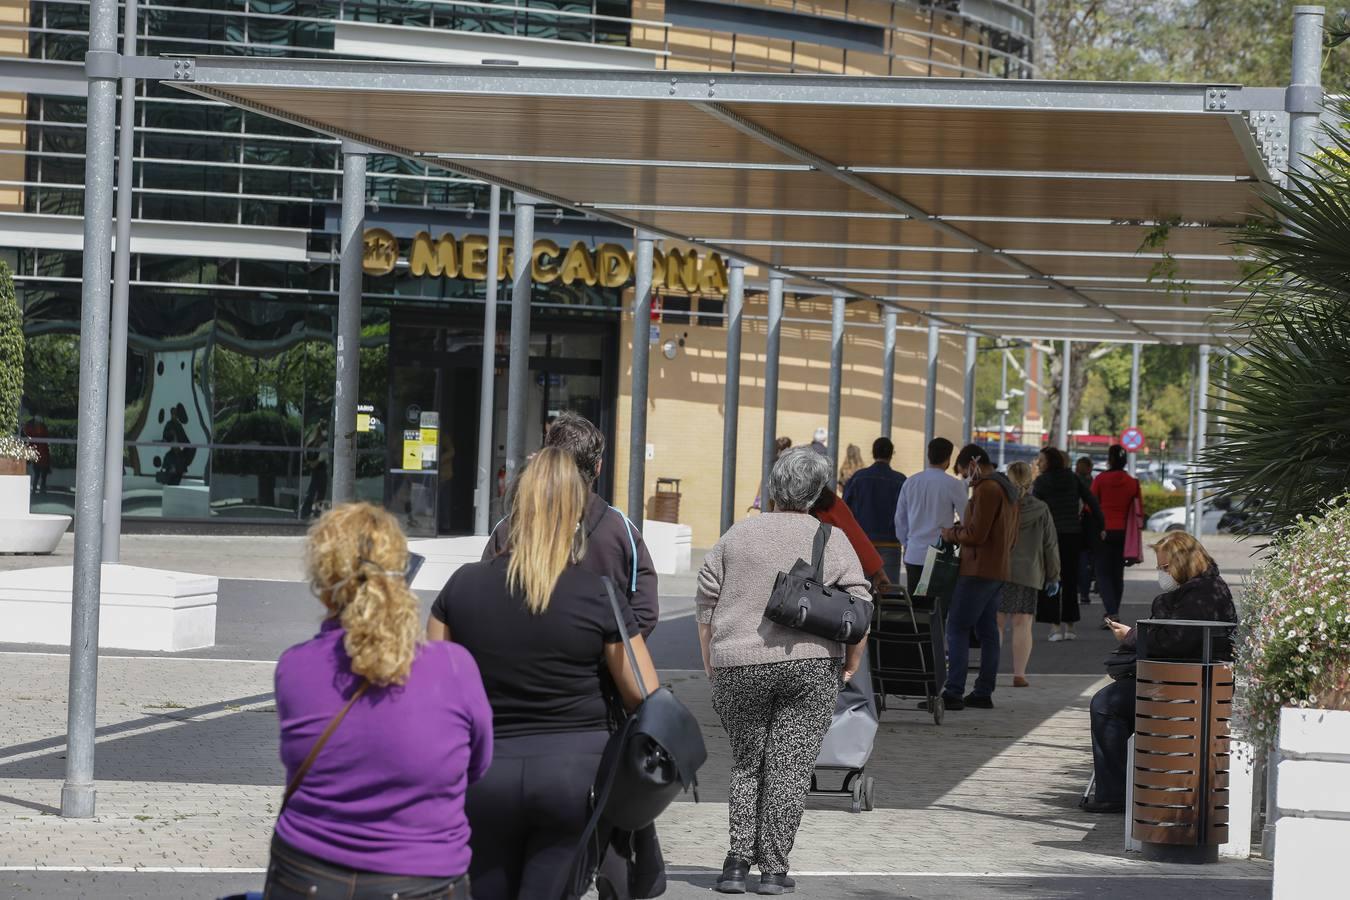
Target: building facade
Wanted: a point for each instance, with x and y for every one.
(234, 257)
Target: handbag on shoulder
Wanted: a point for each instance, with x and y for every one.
(801, 600)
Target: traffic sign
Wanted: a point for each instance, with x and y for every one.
(1132, 439)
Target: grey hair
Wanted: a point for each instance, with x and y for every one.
(798, 478)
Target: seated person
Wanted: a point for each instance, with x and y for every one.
(1192, 589)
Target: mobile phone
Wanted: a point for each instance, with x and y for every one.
(415, 561)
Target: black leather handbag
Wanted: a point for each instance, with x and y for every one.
(800, 600)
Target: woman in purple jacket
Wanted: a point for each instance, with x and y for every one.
(379, 811)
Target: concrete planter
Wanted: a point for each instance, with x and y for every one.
(20, 530)
(10, 466)
(1313, 797)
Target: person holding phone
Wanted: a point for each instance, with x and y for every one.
(1192, 588)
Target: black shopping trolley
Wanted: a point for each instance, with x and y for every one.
(907, 648)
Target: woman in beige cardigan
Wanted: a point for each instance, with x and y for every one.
(1035, 567)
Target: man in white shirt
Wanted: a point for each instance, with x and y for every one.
(930, 501)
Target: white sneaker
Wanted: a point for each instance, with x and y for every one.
(1056, 636)
(1070, 635)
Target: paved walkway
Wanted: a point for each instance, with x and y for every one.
(983, 806)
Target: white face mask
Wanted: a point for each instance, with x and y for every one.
(1166, 581)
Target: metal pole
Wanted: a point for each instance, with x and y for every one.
(518, 368)
(1136, 350)
(1029, 381)
(117, 347)
(348, 355)
(642, 346)
(1190, 452)
(1065, 379)
(1003, 415)
(1201, 426)
(930, 387)
(732, 400)
(482, 492)
(888, 374)
(771, 347)
(1304, 97)
(836, 383)
(972, 354)
(77, 793)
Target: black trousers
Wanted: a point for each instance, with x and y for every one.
(1065, 604)
(528, 813)
(912, 575)
(1112, 724)
(292, 875)
(1111, 571)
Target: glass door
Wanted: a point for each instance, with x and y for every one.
(414, 442)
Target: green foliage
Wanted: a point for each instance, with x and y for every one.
(11, 353)
(1294, 638)
(52, 380)
(1156, 499)
(1287, 421)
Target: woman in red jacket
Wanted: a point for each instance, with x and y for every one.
(833, 511)
(1115, 490)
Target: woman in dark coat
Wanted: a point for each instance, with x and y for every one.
(1062, 490)
(1192, 589)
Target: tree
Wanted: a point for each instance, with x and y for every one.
(11, 353)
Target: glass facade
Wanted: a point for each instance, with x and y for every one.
(229, 399)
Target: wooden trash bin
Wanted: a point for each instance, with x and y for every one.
(666, 501)
(1183, 705)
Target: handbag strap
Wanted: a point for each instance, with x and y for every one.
(301, 772)
(623, 633)
(818, 551)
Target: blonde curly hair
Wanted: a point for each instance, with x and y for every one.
(355, 555)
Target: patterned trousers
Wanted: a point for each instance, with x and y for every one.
(776, 716)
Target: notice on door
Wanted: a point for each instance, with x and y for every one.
(430, 437)
(412, 449)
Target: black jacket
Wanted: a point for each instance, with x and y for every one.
(614, 547)
(871, 495)
(1065, 494)
(1204, 598)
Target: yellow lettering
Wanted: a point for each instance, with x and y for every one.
(475, 257)
(438, 260)
(506, 258)
(613, 267)
(379, 252)
(577, 266)
(541, 271)
(682, 271)
(712, 275)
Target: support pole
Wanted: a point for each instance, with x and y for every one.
(731, 402)
(972, 354)
(1304, 97)
(1201, 426)
(930, 387)
(348, 322)
(642, 346)
(1065, 380)
(836, 382)
(114, 448)
(1135, 351)
(773, 340)
(1003, 412)
(888, 374)
(518, 367)
(482, 491)
(77, 793)
(1190, 451)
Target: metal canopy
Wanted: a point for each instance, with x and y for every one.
(1014, 208)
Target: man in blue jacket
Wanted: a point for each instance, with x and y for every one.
(871, 495)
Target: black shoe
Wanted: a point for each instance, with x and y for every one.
(734, 871)
(1104, 806)
(947, 703)
(776, 884)
(975, 702)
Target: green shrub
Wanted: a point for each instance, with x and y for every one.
(11, 353)
(1157, 498)
(1294, 637)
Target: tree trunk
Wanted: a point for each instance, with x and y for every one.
(1078, 372)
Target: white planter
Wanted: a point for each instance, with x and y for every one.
(20, 530)
(1313, 798)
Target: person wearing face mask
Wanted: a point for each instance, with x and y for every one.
(986, 536)
(1192, 588)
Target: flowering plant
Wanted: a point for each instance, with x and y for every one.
(16, 448)
(1294, 637)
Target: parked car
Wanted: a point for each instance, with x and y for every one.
(1174, 519)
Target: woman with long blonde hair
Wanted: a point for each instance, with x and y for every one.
(853, 464)
(381, 733)
(541, 628)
